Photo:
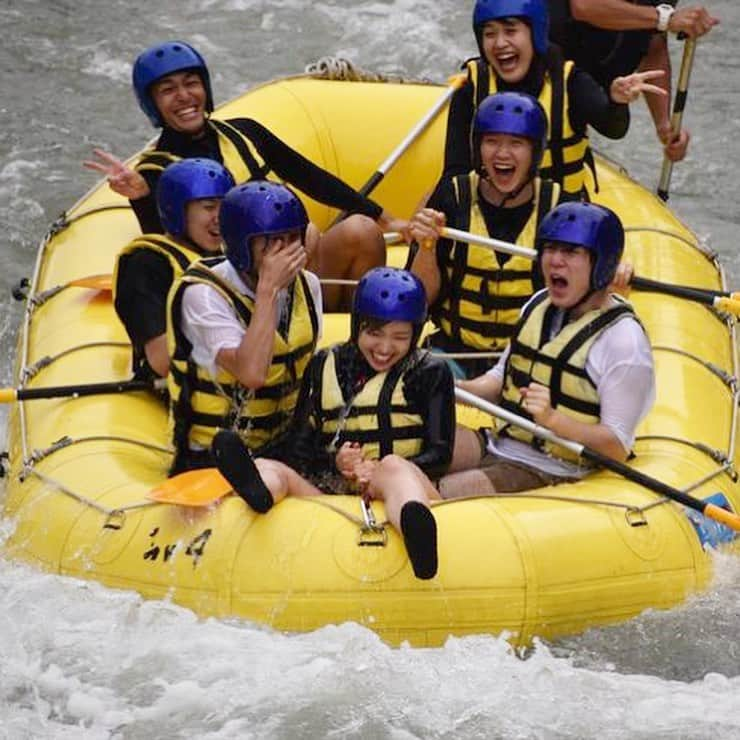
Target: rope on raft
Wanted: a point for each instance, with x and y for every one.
(339, 68)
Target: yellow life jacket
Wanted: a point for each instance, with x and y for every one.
(567, 152)
(558, 363)
(201, 404)
(240, 157)
(177, 255)
(482, 294)
(378, 416)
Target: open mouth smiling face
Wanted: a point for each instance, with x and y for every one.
(507, 45)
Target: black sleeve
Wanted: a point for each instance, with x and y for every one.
(590, 105)
(309, 456)
(429, 385)
(459, 123)
(144, 279)
(303, 174)
(146, 208)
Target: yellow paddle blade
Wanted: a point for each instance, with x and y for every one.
(95, 282)
(193, 488)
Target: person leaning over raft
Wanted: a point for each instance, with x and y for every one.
(189, 195)
(475, 293)
(242, 328)
(172, 84)
(579, 363)
(515, 56)
(376, 416)
(611, 38)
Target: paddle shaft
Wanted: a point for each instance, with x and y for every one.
(679, 104)
(717, 513)
(721, 300)
(377, 177)
(8, 395)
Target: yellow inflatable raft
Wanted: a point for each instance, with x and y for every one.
(547, 563)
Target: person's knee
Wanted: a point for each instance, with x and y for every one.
(393, 465)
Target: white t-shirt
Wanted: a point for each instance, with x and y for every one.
(620, 362)
(208, 319)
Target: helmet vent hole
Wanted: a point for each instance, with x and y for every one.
(384, 294)
(177, 47)
(159, 53)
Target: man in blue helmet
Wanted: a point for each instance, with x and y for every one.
(612, 38)
(476, 294)
(172, 85)
(376, 417)
(579, 363)
(242, 328)
(515, 56)
(189, 195)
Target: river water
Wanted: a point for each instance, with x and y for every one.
(81, 661)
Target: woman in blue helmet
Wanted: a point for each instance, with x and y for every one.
(189, 196)
(476, 294)
(172, 85)
(376, 417)
(242, 328)
(579, 363)
(515, 56)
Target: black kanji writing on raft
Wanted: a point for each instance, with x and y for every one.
(198, 545)
(195, 548)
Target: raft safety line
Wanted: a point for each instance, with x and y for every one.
(63, 442)
(63, 221)
(31, 371)
(629, 509)
(115, 518)
(729, 380)
(707, 251)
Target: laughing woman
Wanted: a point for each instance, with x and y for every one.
(515, 56)
(476, 294)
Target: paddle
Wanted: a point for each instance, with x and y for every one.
(8, 395)
(720, 300)
(95, 282)
(193, 488)
(712, 511)
(454, 83)
(682, 89)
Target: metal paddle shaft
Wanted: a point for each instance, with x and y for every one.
(8, 395)
(455, 82)
(689, 46)
(717, 513)
(721, 300)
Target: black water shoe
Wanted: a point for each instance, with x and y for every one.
(419, 531)
(235, 463)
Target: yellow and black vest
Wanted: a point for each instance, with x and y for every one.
(567, 152)
(378, 416)
(201, 404)
(482, 294)
(240, 157)
(558, 363)
(179, 257)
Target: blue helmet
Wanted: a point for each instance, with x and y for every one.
(513, 113)
(534, 12)
(257, 208)
(186, 180)
(165, 59)
(389, 294)
(588, 225)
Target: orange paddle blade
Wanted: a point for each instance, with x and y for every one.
(96, 282)
(193, 488)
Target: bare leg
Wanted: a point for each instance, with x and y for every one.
(468, 452)
(406, 492)
(346, 252)
(281, 480)
(466, 483)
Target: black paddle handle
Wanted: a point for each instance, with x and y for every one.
(91, 389)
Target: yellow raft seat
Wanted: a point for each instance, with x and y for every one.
(550, 562)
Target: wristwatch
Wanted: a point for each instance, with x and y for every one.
(665, 12)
